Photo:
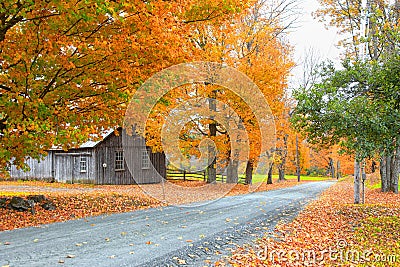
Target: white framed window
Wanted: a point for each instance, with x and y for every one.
(145, 159)
(119, 160)
(83, 164)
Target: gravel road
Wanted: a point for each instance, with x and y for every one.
(169, 236)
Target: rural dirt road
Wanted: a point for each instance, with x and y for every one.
(168, 236)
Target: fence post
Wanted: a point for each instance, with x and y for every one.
(184, 175)
(204, 175)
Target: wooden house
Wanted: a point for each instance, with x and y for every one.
(100, 162)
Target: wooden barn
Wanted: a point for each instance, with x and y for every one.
(100, 162)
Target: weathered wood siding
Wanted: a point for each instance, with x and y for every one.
(106, 155)
(38, 169)
(159, 163)
(65, 166)
(68, 166)
(133, 171)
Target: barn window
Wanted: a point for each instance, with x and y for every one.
(119, 160)
(145, 160)
(83, 164)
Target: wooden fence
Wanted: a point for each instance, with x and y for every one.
(173, 174)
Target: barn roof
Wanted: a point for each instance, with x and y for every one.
(90, 143)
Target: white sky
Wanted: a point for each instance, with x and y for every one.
(310, 33)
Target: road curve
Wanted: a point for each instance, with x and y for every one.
(169, 236)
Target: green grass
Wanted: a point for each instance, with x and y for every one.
(378, 185)
(375, 235)
(304, 177)
(257, 178)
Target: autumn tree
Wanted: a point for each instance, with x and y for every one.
(261, 53)
(67, 69)
(374, 24)
(251, 45)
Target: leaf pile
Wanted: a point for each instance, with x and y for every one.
(74, 201)
(74, 206)
(335, 230)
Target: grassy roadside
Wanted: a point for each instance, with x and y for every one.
(331, 231)
(258, 178)
(378, 186)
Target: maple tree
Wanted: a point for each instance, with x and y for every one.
(266, 61)
(263, 57)
(67, 69)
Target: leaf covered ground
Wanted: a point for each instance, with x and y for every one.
(75, 201)
(331, 231)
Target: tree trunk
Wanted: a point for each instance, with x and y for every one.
(394, 177)
(297, 159)
(384, 175)
(282, 164)
(356, 182)
(373, 166)
(389, 171)
(331, 168)
(212, 172)
(269, 180)
(212, 161)
(281, 175)
(232, 176)
(249, 172)
(363, 177)
(338, 169)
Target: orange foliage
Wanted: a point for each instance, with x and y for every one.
(68, 68)
(251, 47)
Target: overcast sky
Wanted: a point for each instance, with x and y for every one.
(311, 33)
